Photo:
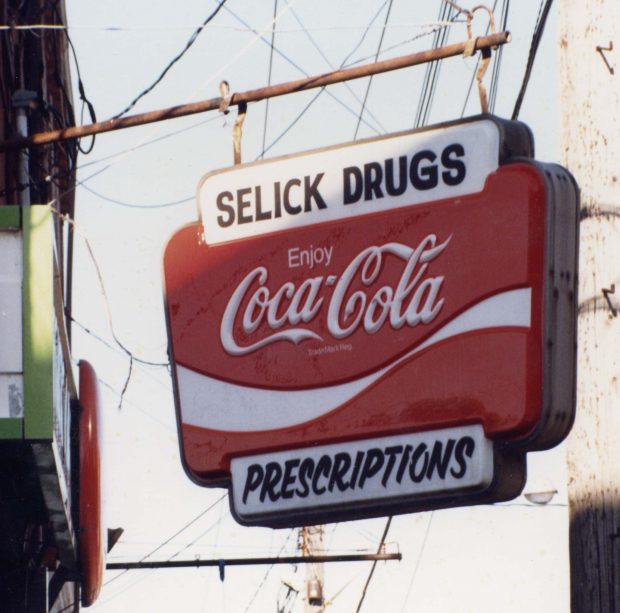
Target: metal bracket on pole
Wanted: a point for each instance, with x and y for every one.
(485, 54)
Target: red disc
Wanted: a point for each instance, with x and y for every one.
(91, 537)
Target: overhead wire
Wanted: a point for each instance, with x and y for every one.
(536, 38)
(80, 83)
(320, 91)
(474, 72)
(374, 564)
(369, 83)
(498, 58)
(273, 37)
(172, 537)
(297, 67)
(433, 68)
(331, 66)
(169, 28)
(132, 205)
(173, 61)
(268, 572)
(418, 561)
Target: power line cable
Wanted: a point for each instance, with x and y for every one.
(347, 85)
(318, 94)
(536, 38)
(432, 70)
(171, 538)
(131, 205)
(417, 564)
(475, 71)
(267, 573)
(81, 89)
(361, 113)
(273, 37)
(297, 67)
(374, 564)
(498, 58)
(173, 61)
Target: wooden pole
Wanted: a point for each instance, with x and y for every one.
(590, 102)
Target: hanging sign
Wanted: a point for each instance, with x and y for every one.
(379, 327)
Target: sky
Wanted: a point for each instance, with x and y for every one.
(137, 186)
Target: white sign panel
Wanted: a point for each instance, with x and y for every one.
(411, 465)
(332, 184)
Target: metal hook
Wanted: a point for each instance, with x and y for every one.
(606, 292)
(470, 48)
(242, 108)
(226, 97)
(601, 50)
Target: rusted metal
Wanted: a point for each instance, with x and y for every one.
(383, 557)
(289, 87)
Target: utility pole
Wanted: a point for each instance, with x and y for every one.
(311, 543)
(590, 103)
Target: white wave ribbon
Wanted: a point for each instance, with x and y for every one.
(210, 403)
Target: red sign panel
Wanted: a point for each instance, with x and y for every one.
(395, 294)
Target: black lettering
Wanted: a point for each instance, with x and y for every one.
(289, 478)
(425, 177)
(243, 204)
(438, 461)
(458, 166)
(342, 463)
(403, 463)
(323, 467)
(359, 456)
(260, 214)
(305, 472)
(253, 480)
(391, 452)
(288, 207)
(312, 191)
(225, 207)
(373, 177)
(273, 474)
(372, 465)
(420, 451)
(390, 186)
(465, 447)
(352, 184)
(277, 201)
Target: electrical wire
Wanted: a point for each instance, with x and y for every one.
(417, 564)
(297, 67)
(374, 564)
(131, 205)
(498, 58)
(171, 538)
(474, 72)
(536, 38)
(173, 61)
(433, 68)
(320, 91)
(273, 37)
(151, 28)
(81, 89)
(361, 113)
(268, 572)
(331, 66)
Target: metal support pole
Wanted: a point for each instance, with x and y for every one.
(312, 559)
(263, 93)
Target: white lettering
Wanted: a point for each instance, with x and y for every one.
(415, 299)
(310, 258)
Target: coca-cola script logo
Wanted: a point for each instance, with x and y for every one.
(413, 300)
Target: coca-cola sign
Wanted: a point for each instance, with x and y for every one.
(299, 320)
